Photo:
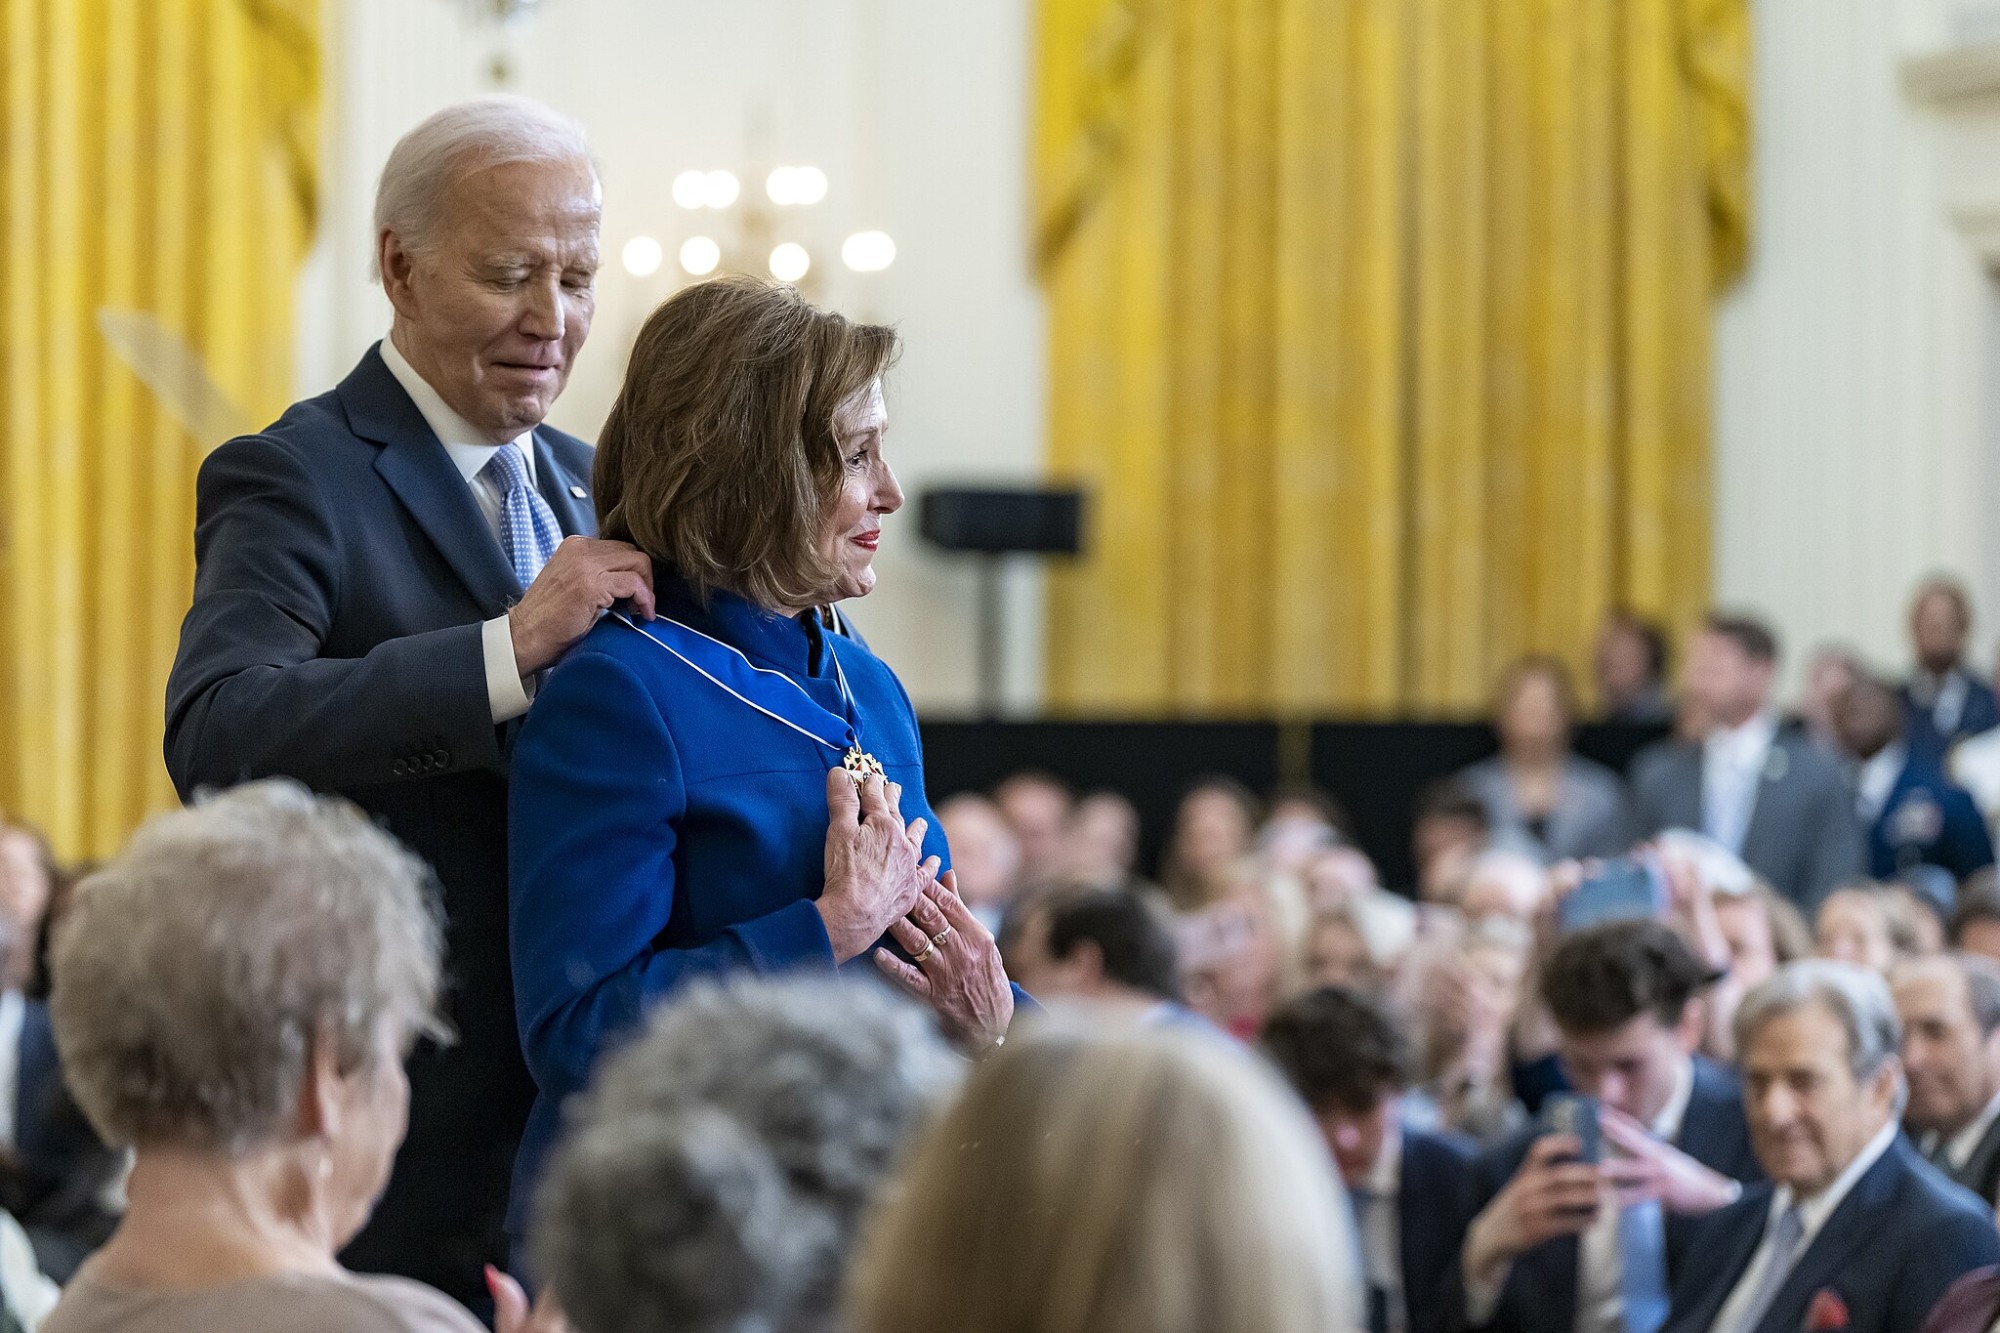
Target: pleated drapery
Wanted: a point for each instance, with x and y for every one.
(158, 161)
(1379, 332)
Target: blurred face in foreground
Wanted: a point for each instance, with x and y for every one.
(1809, 1115)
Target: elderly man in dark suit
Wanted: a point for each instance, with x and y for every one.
(1412, 1191)
(1855, 1231)
(1764, 791)
(1552, 1247)
(1949, 1006)
(380, 577)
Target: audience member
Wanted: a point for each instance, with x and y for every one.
(234, 997)
(1303, 823)
(1505, 883)
(716, 1174)
(1854, 1231)
(1108, 948)
(1829, 672)
(1539, 794)
(1101, 844)
(1764, 792)
(1339, 876)
(1853, 926)
(1949, 1007)
(1975, 921)
(1412, 1191)
(1913, 812)
(1038, 805)
(1630, 663)
(1550, 1247)
(1449, 826)
(1212, 831)
(1463, 992)
(985, 854)
(1947, 701)
(1760, 932)
(1337, 953)
(1242, 952)
(1150, 1182)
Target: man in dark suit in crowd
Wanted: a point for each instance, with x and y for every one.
(1108, 948)
(1551, 1250)
(1945, 700)
(1412, 1191)
(1764, 791)
(1855, 1231)
(1949, 1006)
(1914, 813)
(380, 577)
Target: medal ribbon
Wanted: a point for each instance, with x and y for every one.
(772, 693)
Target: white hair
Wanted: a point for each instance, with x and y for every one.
(463, 138)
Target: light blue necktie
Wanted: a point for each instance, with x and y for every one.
(1786, 1234)
(1642, 1266)
(529, 533)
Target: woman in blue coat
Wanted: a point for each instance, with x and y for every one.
(673, 786)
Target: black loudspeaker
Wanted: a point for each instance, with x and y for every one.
(1003, 520)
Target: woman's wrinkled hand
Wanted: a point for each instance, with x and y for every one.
(956, 968)
(875, 867)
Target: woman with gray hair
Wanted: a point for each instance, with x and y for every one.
(716, 1174)
(234, 995)
(1105, 1182)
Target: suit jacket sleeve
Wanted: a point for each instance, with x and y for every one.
(251, 694)
(596, 801)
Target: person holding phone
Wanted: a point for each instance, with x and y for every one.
(1578, 1228)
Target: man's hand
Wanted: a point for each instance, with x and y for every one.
(872, 873)
(1656, 1170)
(1552, 1195)
(582, 579)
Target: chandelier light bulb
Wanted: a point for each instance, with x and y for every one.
(789, 262)
(690, 189)
(782, 186)
(868, 251)
(719, 189)
(809, 185)
(699, 256)
(642, 255)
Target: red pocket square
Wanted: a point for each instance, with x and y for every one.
(1827, 1313)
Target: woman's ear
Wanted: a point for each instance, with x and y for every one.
(321, 1087)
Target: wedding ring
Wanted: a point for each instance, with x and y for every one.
(929, 949)
(937, 940)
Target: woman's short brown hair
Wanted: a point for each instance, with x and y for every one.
(721, 456)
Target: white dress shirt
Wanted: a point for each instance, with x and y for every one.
(1958, 1149)
(1732, 766)
(1381, 1238)
(1944, 695)
(1813, 1213)
(1600, 1268)
(507, 693)
(1877, 779)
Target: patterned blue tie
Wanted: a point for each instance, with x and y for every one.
(529, 533)
(1642, 1266)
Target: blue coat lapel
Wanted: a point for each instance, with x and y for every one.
(416, 467)
(1853, 1224)
(576, 514)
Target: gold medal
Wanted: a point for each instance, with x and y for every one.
(861, 765)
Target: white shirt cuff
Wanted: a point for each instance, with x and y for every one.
(506, 693)
(1482, 1298)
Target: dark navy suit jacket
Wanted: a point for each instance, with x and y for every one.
(1928, 820)
(1436, 1200)
(1891, 1249)
(343, 569)
(1540, 1294)
(664, 831)
(1981, 713)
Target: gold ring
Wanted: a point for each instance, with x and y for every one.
(929, 949)
(937, 940)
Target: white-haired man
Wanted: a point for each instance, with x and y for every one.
(382, 573)
(1854, 1231)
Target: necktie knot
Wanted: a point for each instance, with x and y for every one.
(508, 468)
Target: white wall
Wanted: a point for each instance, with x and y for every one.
(1855, 372)
(918, 114)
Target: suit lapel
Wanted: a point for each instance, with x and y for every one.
(1746, 1228)
(417, 468)
(1859, 1218)
(1767, 814)
(560, 487)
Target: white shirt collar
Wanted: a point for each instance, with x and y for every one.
(470, 450)
(1745, 744)
(1813, 1212)
(1962, 1144)
(1878, 778)
(1667, 1124)
(1385, 1177)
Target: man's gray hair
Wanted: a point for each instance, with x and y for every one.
(1981, 976)
(466, 137)
(714, 1177)
(1855, 996)
(195, 974)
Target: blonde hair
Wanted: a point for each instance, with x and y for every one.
(1092, 1182)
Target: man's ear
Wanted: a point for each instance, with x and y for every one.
(1887, 1085)
(396, 264)
(319, 1104)
(1693, 1024)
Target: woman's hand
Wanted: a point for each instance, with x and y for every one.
(511, 1312)
(873, 872)
(957, 969)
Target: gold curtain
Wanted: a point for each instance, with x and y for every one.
(1379, 332)
(158, 162)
